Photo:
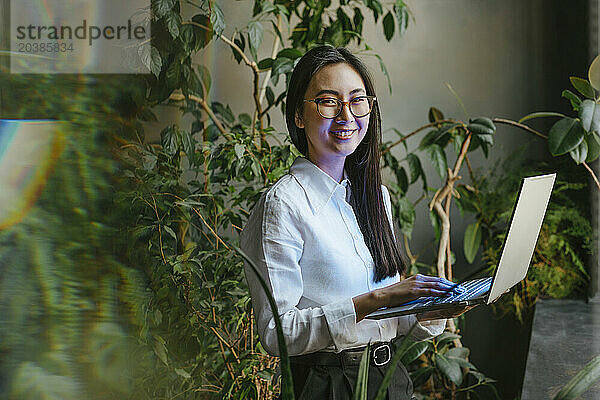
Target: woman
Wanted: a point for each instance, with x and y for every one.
(322, 237)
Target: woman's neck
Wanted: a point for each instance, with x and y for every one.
(334, 168)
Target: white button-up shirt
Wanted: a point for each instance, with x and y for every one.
(305, 239)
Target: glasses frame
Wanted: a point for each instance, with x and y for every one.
(372, 100)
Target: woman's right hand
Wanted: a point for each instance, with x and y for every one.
(414, 287)
(402, 292)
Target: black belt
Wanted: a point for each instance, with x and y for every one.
(380, 355)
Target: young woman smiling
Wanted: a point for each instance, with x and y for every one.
(322, 237)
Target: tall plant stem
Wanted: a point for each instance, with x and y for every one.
(227, 364)
(276, 43)
(206, 108)
(519, 125)
(591, 171)
(448, 250)
(253, 66)
(217, 237)
(445, 193)
(260, 113)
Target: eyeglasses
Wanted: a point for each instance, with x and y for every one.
(330, 107)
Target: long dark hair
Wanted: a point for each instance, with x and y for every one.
(362, 166)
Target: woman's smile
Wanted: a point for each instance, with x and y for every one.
(343, 134)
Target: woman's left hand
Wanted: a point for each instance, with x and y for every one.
(443, 314)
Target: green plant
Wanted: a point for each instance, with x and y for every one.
(191, 192)
(163, 288)
(581, 382)
(68, 300)
(439, 366)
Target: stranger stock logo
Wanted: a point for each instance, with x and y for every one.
(79, 36)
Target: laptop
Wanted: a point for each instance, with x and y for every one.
(517, 251)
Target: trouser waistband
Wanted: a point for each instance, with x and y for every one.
(379, 355)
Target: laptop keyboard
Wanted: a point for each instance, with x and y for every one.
(473, 288)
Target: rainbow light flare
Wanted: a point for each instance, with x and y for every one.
(28, 149)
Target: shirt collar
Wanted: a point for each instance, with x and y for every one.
(318, 186)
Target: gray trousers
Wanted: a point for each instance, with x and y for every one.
(324, 382)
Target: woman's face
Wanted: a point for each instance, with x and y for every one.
(332, 140)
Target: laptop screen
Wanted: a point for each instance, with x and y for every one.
(522, 235)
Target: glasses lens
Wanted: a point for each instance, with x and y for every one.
(361, 106)
(329, 108)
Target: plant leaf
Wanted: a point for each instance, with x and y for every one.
(255, 36)
(414, 166)
(287, 385)
(564, 136)
(151, 59)
(160, 349)
(173, 20)
(582, 87)
(589, 113)
(245, 119)
(174, 74)
(472, 241)
(579, 153)
(458, 352)
(385, 71)
(358, 20)
(360, 390)
(438, 158)
(402, 179)
(239, 150)
(593, 142)
(388, 26)
(449, 368)
(421, 375)
(405, 212)
(589, 374)
(459, 355)
(480, 129)
(290, 53)
(170, 231)
(402, 15)
(217, 19)
(413, 352)
(486, 140)
(182, 373)
(189, 145)
(541, 114)
(573, 98)
(485, 121)
(594, 73)
(446, 337)
(435, 114)
(169, 141)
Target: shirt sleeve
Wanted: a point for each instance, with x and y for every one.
(272, 238)
(423, 330)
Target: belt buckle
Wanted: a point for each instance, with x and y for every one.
(381, 354)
